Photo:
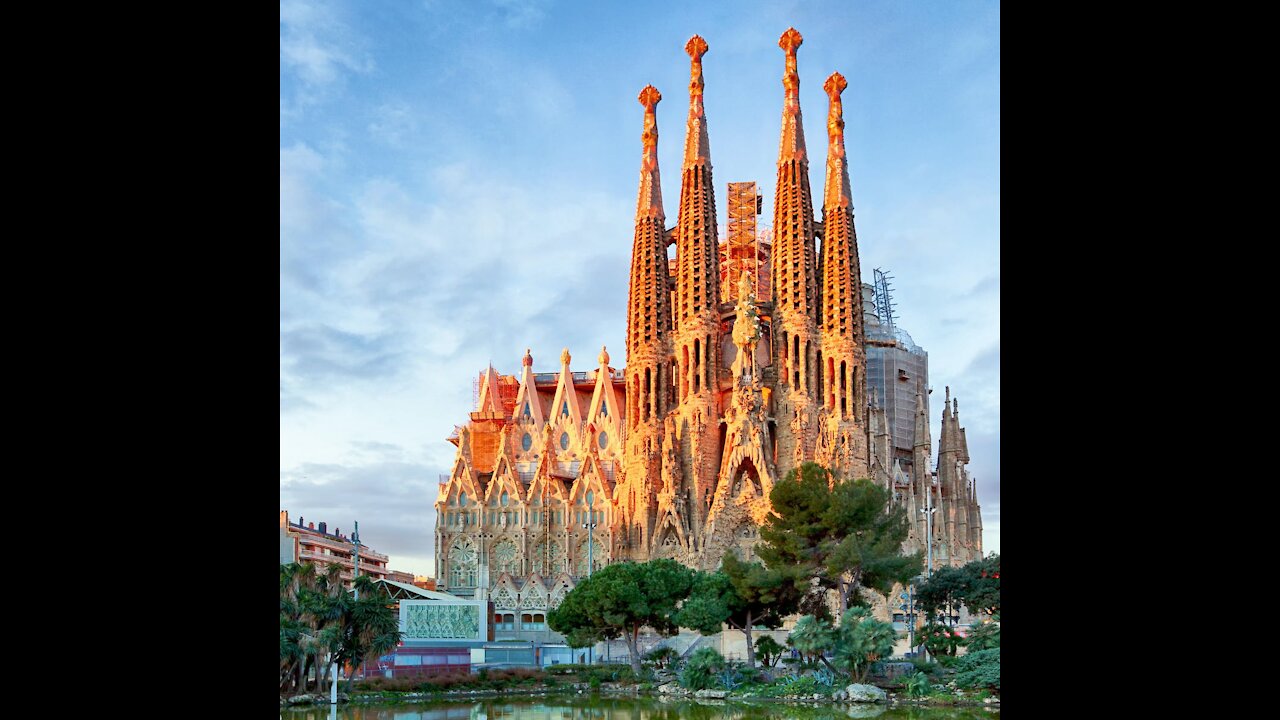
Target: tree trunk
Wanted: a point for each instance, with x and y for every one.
(319, 686)
(751, 651)
(301, 685)
(633, 645)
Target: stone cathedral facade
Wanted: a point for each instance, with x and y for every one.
(674, 455)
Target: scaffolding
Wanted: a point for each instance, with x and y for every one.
(884, 300)
(741, 249)
(895, 364)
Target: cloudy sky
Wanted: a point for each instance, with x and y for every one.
(458, 183)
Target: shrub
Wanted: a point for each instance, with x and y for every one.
(699, 673)
(917, 685)
(979, 669)
(663, 657)
(750, 675)
(926, 666)
(795, 685)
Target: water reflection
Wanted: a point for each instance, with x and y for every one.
(608, 708)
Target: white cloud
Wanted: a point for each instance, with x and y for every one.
(318, 49)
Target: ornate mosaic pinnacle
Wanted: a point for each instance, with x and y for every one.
(696, 47)
(649, 200)
(835, 115)
(528, 358)
(790, 40)
(649, 98)
(564, 356)
(697, 146)
(834, 86)
(604, 356)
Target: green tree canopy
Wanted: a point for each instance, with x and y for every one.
(621, 599)
(744, 595)
(942, 590)
(976, 585)
(843, 534)
(983, 591)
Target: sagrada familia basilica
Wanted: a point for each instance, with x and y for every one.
(723, 393)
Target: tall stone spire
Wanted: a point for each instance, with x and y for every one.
(648, 378)
(795, 290)
(648, 312)
(840, 326)
(696, 344)
(697, 254)
(649, 202)
(792, 126)
(921, 460)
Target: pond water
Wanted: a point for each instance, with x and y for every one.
(589, 707)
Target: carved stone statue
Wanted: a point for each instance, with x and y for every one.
(746, 332)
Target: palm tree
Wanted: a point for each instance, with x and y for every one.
(372, 627)
(321, 623)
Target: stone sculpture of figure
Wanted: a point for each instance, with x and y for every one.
(746, 332)
(671, 475)
(824, 442)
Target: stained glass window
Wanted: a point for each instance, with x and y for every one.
(506, 558)
(462, 563)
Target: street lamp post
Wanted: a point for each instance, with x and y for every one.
(928, 510)
(355, 573)
(589, 524)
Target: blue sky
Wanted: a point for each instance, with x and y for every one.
(458, 180)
